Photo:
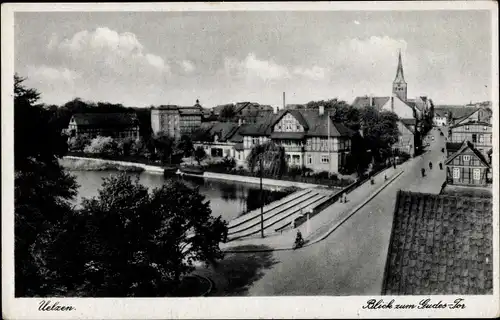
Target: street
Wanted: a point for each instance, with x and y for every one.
(351, 260)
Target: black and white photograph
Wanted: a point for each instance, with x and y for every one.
(239, 160)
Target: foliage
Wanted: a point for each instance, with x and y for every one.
(79, 142)
(125, 146)
(186, 145)
(103, 145)
(42, 191)
(199, 154)
(135, 243)
(380, 131)
(339, 110)
(228, 112)
(164, 146)
(272, 157)
(229, 163)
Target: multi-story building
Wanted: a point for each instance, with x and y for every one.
(310, 138)
(175, 120)
(166, 119)
(117, 125)
(479, 133)
(467, 166)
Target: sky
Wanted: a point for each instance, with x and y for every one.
(152, 58)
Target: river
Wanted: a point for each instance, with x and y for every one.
(228, 199)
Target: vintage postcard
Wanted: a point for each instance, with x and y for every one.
(250, 160)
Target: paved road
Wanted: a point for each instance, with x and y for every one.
(352, 259)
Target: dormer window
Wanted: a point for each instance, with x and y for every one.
(466, 127)
(485, 128)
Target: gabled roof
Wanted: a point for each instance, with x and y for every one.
(207, 131)
(410, 121)
(296, 114)
(377, 102)
(440, 244)
(104, 120)
(316, 125)
(409, 124)
(453, 146)
(472, 122)
(439, 113)
(468, 145)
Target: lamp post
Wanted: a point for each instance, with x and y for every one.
(329, 144)
(261, 201)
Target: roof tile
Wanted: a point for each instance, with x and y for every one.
(442, 269)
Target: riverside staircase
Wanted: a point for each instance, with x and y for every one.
(278, 215)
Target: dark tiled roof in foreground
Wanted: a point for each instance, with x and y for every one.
(440, 244)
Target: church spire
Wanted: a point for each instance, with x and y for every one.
(399, 73)
(399, 86)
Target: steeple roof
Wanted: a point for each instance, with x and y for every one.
(399, 73)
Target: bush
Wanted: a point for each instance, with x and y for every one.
(102, 145)
(78, 143)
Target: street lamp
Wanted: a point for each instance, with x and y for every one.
(261, 201)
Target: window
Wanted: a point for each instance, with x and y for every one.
(325, 159)
(466, 158)
(456, 173)
(309, 159)
(466, 127)
(485, 128)
(474, 137)
(477, 174)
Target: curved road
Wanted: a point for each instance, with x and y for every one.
(351, 260)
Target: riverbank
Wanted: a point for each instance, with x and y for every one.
(92, 165)
(97, 164)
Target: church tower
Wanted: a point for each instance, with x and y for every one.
(399, 86)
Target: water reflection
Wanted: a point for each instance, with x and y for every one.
(228, 199)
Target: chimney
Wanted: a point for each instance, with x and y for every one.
(240, 121)
(321, 110)
(283, 100)
(392, 103)
(371, 100)
(275, 110)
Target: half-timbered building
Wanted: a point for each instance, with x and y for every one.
(468, 167)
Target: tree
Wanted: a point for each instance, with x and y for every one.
(125, 145)
(228, 112)
(79, 142)
(42, 193)
(164, 145)
(186, 145)
(138, 243)
(380, 131)
(273, 159)
(199, 154)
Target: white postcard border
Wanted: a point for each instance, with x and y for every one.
(227, 307)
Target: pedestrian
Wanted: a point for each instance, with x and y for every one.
(430, 165)
(385, 177)
(423, 172)
(345, 198)
(394, 163)
(441, 166)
